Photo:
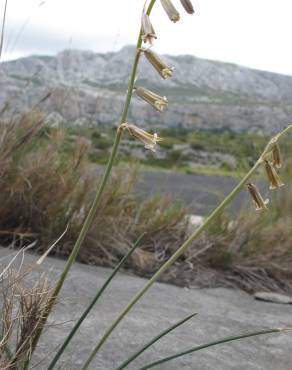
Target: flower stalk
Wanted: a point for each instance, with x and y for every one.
(217, 211)
(92, 212)
(92, 304)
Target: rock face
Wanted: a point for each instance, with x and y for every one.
(221, 313)
(273, 297)
(89, 88)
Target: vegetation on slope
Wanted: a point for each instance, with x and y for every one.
(46, 183)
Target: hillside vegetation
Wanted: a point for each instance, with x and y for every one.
(47, 182)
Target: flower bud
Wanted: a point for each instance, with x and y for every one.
(147, 139)
(170, 10)
(258, 200)
(148, 33)
(156, 101)
(277, 158)
(275, 181)
(187, 4)
(157, 63)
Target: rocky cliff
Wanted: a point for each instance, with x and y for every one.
(89, 88)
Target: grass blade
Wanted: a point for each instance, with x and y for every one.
(3, 28)
(210, 344)
(92, 304)
(154, 340)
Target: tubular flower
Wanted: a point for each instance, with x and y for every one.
(148, 33)
(147, 139)
(277, 158)
(275, 181)
(156, 101)
(188, 6)
(258, 200)
(158, 64)
(170, 10)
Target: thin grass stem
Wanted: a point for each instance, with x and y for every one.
(183, 248)
(3, 28)
(154, 340)
(210, 344)
(91, 215)
(93, 303)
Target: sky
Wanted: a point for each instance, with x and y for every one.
(253, 33)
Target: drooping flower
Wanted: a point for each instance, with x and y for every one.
(277, 158)
(258, 200)
(170, 10)
(148, 33)
(275, 181)
(149, 140)
(157, 63)
(156, 101)
(187, 4)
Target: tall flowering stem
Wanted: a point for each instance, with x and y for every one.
(185, 245)
(94, 207)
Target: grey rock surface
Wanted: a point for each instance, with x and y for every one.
(222, 312)
(89, 88)
(273, 297)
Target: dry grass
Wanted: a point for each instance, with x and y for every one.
(47, 183)
(22, 306)
(252, 251)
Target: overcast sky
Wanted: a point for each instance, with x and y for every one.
(254, 33)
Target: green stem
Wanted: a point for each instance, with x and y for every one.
(3, 28)
(211, 344)
(91, 215)
(181, 250)
(168, 263)
(154, 340)
(93, 303)
(85, 228)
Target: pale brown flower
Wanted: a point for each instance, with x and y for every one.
(170, 10)
(277, 158)
(156, 101)
(275, 181)
(258, 200)
(157, 63)
(148, 33)
(149, 140)
(187, 4)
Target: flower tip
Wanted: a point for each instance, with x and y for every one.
(273, 177)
(286, 329)
(157, 63)
(148, 33)
(150, 141)
(170, 10)
(188, 6)
(259, 202)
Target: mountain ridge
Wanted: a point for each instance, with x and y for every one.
(89, 88)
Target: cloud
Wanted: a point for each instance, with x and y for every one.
(247, 32)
